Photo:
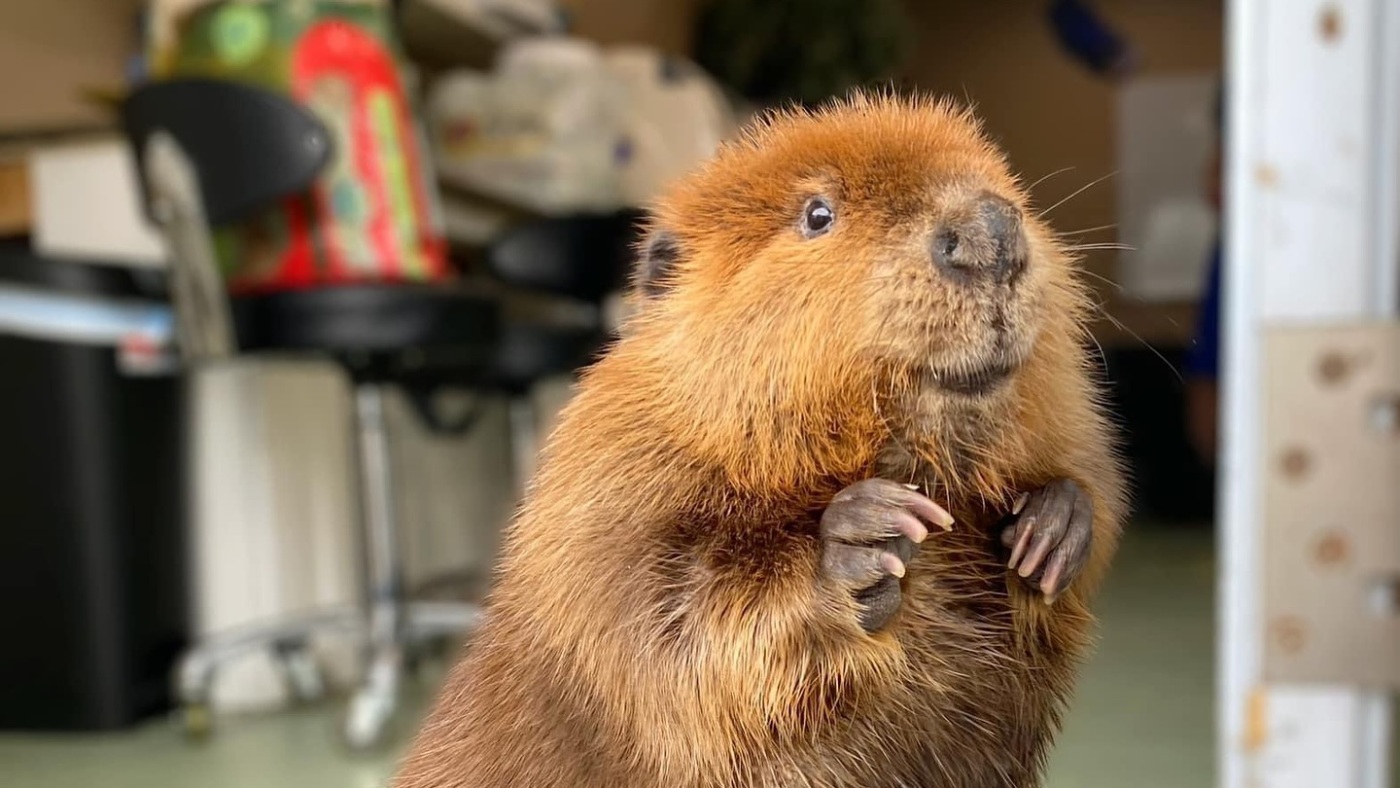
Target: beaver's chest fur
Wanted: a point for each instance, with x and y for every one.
(986, 674)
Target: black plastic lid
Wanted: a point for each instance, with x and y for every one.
(19, 265)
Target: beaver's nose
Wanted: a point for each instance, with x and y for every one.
(987, 242)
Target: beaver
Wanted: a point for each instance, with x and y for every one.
(831, 510)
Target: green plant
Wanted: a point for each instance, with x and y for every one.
(774, 51)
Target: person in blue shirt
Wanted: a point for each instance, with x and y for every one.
(1087, 37)
(1202, 370)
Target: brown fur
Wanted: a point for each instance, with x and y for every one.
(657, 619)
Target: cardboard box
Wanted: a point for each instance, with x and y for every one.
(16, 212)
(87, 204)
(52, 52)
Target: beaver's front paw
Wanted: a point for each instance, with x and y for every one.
(869, 532)
(1050, 535)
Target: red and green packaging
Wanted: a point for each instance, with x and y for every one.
(373, 214)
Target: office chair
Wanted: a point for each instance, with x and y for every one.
(211, 153)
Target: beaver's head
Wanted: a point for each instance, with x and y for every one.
(871, 267)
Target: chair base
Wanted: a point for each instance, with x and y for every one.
(374, 702)
(390, 628)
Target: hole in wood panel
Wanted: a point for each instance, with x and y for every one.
(1290, 634)
(1295, 463)
(1330, 24)
(1333, 368)
(1333, 548)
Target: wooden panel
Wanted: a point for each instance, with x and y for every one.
(16, 210)
(1331, 458)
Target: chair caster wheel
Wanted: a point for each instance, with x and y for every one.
(367, 720)
(373, 706)
(197, 720)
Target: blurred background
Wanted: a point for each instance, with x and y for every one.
(291, 291)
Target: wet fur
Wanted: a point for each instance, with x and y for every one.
(657, 620)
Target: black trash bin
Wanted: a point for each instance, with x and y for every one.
(92, 558)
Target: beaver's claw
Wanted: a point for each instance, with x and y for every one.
(870, 531)
(1050, 535)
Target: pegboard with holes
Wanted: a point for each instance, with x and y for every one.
(1331, 505)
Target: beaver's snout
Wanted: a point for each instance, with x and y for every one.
(983, 242)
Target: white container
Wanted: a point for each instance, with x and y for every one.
(675, 116)
(544, 132)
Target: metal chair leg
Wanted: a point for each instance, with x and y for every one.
(303, 675)
(376, 701)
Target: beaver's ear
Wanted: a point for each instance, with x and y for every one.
(656, 261)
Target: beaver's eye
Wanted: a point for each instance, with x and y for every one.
(817, 217)
(948, 244)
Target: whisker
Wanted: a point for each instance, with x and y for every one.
(1088, 230)
(1115, 321)
(1044, 178)
(1103, 279)
(1103, 356)
(1078, 192)
(1091, 247)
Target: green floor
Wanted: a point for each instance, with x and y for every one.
(1142, 716)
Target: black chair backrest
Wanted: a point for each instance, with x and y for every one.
(250, 146)
(581, 257)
